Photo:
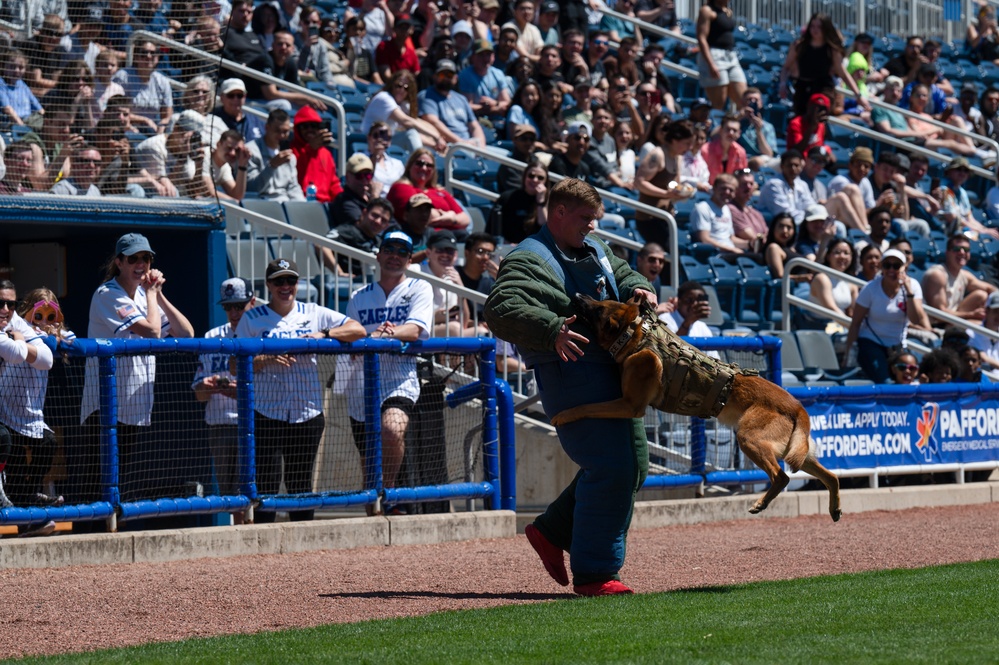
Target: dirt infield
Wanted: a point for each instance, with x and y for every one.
(92, 607)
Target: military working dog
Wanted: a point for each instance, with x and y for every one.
(661, 370)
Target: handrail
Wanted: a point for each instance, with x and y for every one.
(450, 183)
(874, 101)
(334, 104)
(789, 299)
(655, 29)
(492, 196)
(650, 27)
(908, 147)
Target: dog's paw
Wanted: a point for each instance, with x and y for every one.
(836, 514)
(756, 509)
(559, 419)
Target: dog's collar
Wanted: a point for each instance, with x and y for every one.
(628, 334)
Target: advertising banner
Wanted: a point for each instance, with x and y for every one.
(893, 432)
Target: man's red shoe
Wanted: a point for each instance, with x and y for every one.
(551, 556)
(608, 588)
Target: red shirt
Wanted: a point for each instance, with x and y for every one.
(712, 154)
(402, 192)
(388, 54)
(796, 132)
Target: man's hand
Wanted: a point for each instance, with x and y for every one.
(646, 296)
(320, 138)
(565, 343)
(282, 157)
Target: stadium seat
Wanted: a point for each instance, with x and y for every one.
(308, 215)
(817, 351)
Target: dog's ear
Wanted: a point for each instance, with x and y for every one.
(635, 300)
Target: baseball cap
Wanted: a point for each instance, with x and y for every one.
(93, 14)
(582, 81)
(359, 162)
(233, 84)
(280, 268)
(816, 211)
(969, 87)
(461, 27)
(576, 127)
(699, 103)
(958, 163)
(489, 4)
(418, 200)
(893, 254)
(481, 46)
(445, 65)
(864, 38)
(442, 239)
(403, 20)
(820, 99)
(895, 80)
(236, 290)
(993, 301)
(888, 157)
(549, 6)
(397, 237)
(132, 243)
(521, 130)
(189, 121)
(904, 163)
(926, 69)
(863, 154)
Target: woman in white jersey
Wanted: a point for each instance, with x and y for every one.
(23, 354)
(130, 304)
(21, 404)
(288, 420)
(885, 308)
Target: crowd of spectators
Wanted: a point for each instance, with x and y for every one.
(561, 87)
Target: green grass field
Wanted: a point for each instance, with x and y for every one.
(945, 614)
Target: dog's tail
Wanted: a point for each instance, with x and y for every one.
(797, 450)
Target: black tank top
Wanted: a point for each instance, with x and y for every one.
(721, 30)
(814, 65)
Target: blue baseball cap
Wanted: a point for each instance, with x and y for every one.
(397, 237)
(132, 243)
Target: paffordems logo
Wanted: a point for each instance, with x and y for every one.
(926, 433)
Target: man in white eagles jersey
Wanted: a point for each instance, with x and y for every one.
(394, 307)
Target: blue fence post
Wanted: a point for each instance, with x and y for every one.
(490, 456)
(246, 450)
(698, 445)
(773, 345)
(507, 441)
(373, 478)
(108, 387)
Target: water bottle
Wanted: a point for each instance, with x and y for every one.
(310, 191)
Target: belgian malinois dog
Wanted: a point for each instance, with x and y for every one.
(660, 369)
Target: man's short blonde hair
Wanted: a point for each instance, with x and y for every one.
(573, 193)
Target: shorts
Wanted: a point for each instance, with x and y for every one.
(729, 69)
(358, 429)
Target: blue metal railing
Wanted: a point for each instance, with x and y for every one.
(496, 431)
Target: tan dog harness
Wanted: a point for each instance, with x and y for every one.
(693, 383)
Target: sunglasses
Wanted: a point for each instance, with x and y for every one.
(382, 136)
(743, 171)
(395, 249)
(38, 317)
(600, 42)
(482, 251)
(135, 258)
(537, 178)
(424, 165)
(905, 367)
(45, 303)
(960, 250)
(9, 304)
(364, 175)
(148, 54)
(234, 306)
(235, 95)
(891, 266)
(283, 281)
